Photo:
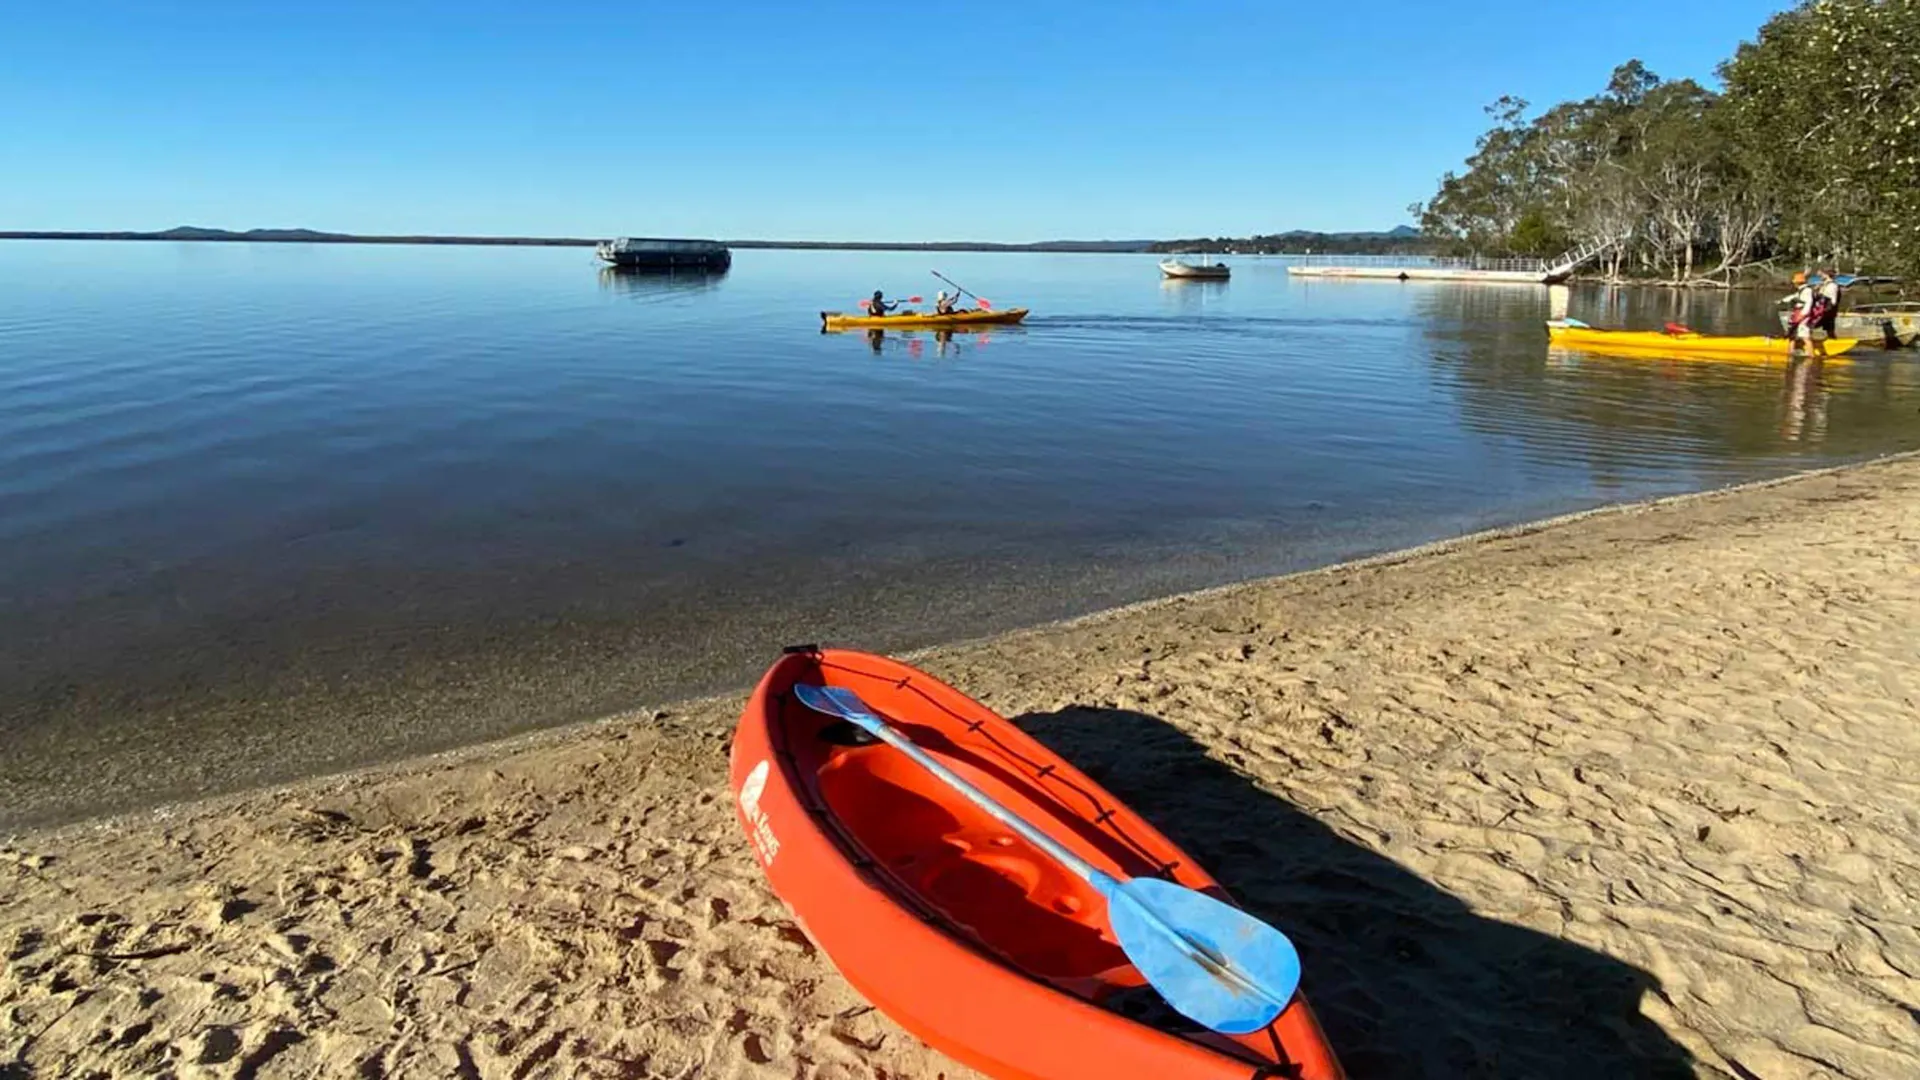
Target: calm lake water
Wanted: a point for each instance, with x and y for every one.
(267, 510)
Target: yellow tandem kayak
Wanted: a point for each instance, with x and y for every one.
(908, 320)
(1681, 345)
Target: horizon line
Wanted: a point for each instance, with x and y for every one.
(301, 234)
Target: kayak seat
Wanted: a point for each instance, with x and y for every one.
(1010, 897)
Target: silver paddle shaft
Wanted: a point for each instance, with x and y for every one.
(880, 729)
(1106, 883)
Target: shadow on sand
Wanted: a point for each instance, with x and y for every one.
(1406, 980)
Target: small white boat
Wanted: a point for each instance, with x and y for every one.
(1175, 268)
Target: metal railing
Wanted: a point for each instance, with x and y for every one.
(1429, 262)
(1572, 260)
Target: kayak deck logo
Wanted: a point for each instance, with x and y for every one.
(759, 829)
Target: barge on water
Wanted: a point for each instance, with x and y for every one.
(639, 253)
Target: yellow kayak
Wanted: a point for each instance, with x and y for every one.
(908, 320)
(1681, 345)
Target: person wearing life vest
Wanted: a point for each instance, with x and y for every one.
(1800, 323)
(1796, 304)
(1829, 300)
(1821, 313)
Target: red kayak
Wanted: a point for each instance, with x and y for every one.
(962, 932)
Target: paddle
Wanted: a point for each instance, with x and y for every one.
(984, 305)
(1215, 964)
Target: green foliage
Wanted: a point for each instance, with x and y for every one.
(1811, 152)
(1827, 102)
(1537, 234)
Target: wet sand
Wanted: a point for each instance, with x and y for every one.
(1630, 794)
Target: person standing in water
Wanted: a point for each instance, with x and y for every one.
(1829, 298)
(1821, 311)
(1800, 322)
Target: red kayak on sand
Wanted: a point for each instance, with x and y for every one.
(958, 929)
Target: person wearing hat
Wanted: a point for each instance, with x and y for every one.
(879, 305)
(944, 304)
(1800, 322)
(1793, 301)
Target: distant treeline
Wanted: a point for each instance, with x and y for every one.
(313, 236)
(1809, 155)
(1108, 246)
(1398, 241)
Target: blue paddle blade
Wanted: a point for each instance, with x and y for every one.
(832, 700)
(1215, 964)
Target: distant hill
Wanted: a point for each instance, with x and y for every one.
(315, 236)
(195, 232)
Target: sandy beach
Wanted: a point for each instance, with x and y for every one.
(1627, 795)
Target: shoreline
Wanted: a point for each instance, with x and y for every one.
(667, 710)
(1619, 792)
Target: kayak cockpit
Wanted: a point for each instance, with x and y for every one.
(971, 870)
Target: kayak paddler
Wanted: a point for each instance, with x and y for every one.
(878, 306)
(944, 304)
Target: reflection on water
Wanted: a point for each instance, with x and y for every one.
(301, 507)
(1193, 295)
(918, 344)
(1632, 420)
(644, 282)
(1804, 417)
(1558, 299)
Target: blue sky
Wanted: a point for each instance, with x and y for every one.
(829, 120)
